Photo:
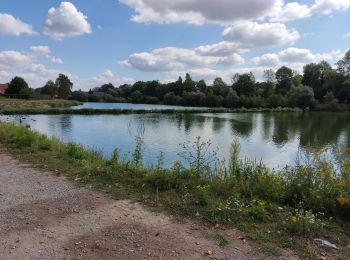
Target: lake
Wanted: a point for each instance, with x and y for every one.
(275, 138)
(102, 105)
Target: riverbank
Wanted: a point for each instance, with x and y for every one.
(43, 216)
(19, 104)
(88, 111)
(275, 210)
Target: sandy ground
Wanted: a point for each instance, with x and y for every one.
(43, 216)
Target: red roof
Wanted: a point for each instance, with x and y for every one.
(3, 88)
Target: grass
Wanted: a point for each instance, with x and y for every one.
(285, 209)
(21, 104)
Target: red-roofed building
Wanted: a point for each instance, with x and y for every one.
(3, 88)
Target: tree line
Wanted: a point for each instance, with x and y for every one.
(319, 87)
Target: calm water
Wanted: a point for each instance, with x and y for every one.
(130, 106)
(273, 137)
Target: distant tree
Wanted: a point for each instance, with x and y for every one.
(136, 96)
(64, 86)
(244, 84)
(344, 92)
(284, 77)
(202, 86)
(343, 65)
(170, 99)
(106, 87)
(178, 88)
(17, 85)
(189, 85)
(220, 87)
(270, 75)
(50, 88)
(314, 76)
(231, 99)
(301, 96)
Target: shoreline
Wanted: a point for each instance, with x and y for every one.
(181, 192)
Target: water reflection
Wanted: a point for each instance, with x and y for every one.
(273, 137)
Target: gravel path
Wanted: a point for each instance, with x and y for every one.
(43, 216)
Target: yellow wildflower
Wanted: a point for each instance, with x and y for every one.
(293, 219)
(342, 200)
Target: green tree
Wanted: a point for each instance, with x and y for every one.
(17, 85)
(64, 86)
(284, 77)
(343, 65)
(270, 76)
(189, 85)
(231, 99)
(220, 87)
(50, 88)
(314, 76)
(301, 96)
(244, 84)
(202, 86)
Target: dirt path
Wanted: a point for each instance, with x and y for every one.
(46, 217)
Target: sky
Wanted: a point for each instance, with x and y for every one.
(123, 41)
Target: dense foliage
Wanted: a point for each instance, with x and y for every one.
(319, 87)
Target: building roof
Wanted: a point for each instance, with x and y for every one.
(3, 88)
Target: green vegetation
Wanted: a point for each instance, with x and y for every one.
(285, 209)
(320, 87)
(12, 104)
(19, 88)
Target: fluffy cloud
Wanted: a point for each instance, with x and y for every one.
(228, 11)
(220, 49)
(200, 11)
(44, 51)
(12, 26)
(13, 63)
(329, 6)
(13, 59)
(252, 35)
(292, 11)
(66, 20)
(294, 57)
(103, 78)
(171, 58)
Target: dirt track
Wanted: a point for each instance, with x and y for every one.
(43, 216)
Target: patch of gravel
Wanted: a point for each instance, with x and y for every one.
(43, 216)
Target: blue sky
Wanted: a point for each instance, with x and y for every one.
(100, 41)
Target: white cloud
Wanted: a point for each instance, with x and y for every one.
(328, 6)
(45, 51)
(295, 58)
(65, 21)
(220, 49)
(200, 11)
(252, 35)
(171, 58)
(347, 35)
(103, 78)
(292, 11)
(13, 59)
(14, 63)
(14, 26)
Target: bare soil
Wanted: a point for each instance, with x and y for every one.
(43, 216)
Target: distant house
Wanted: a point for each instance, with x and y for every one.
(3, 88)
